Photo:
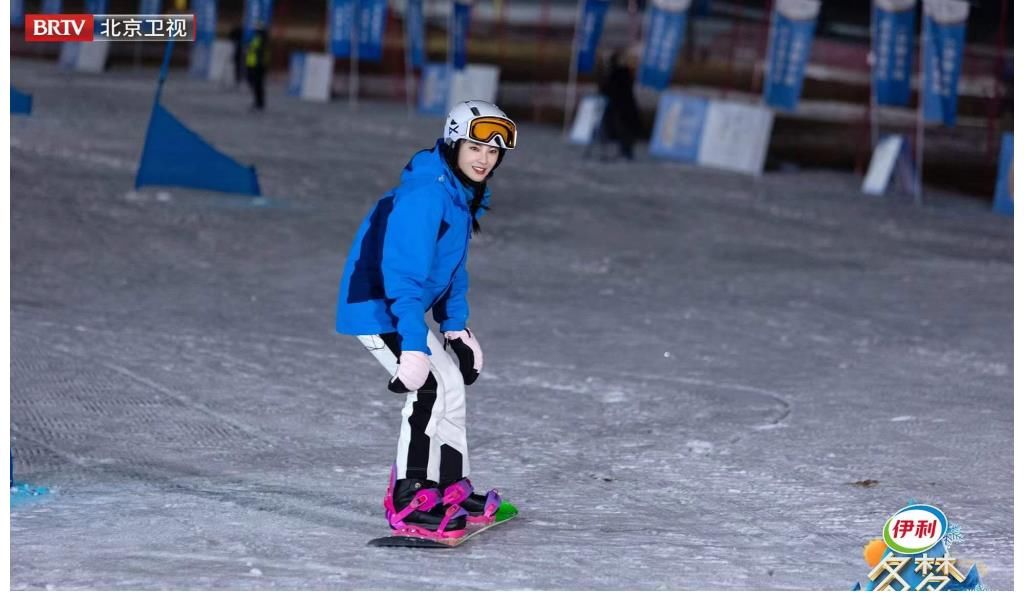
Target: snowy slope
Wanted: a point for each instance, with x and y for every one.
(687, 371)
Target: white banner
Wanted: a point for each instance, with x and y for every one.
(588, 119)
(895, 6)
(475, 82)
(84, 56)
(947, 11)
(799, 10)
(883, 162)
(736, 137)
(316, 82)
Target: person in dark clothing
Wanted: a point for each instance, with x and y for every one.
(257, 57)
(236, 39)
(621, 121)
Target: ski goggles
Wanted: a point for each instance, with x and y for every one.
(486, 129)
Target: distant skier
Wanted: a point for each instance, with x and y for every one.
(408, 257)
(257, 57)
(621, 121)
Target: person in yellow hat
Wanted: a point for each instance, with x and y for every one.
(257, 57)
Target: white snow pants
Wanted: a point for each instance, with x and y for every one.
(432, 439)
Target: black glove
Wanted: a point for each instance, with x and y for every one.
(467, 349)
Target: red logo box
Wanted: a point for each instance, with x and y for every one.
(58, 28)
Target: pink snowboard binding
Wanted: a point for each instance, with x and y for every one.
(425, 500)
(480, 509)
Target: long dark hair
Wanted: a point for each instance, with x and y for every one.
(451, 157)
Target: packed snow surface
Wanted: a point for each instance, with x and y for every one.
(694, 379)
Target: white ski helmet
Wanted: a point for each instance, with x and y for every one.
(480, 122)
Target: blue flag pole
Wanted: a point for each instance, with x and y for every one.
(873, 112)
(164, 68)
(919, 139)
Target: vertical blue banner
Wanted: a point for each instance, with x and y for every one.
(17, 13)
(296, 73)
(199, 61)
(459, 34)
(663, 34)
(1002, 201)
(372, 19)
(96, 7)
(589, 34)
(893, 48)
(678, 127)
(945, 25)
(256, 12)
(341, 16)
(150, 7)
(415, 32)
(434, 86)
(51, 7)
(793, 24)
(206, 20)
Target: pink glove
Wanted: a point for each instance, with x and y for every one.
(467, 349)
(413, 369)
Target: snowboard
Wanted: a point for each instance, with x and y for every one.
(505, 512)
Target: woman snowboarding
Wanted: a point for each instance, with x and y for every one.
(409, 257)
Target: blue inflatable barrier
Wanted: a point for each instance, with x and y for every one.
(175, 156)
(21, 103)
(22, 493)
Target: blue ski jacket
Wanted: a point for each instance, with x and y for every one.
(409, 256)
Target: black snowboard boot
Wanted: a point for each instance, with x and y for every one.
(414, 505)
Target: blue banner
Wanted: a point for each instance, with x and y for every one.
(789, 51)
(589, 34)
(678, 127)
(150, 7)
(341, 18)
(372, 19)
(893, 47)
(206, 20)
(459, 34)
(69, 55)
(415, 33)
(1002, 201)
(257, 13)
(663, 34)
(199, 60)
(17, 13)
(296, 73)
(434, 86)
(51, 7)
(943, 55)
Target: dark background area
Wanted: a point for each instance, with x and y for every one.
(721, 57)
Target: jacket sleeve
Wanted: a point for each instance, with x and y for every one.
(453, 310)
(409, 243)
